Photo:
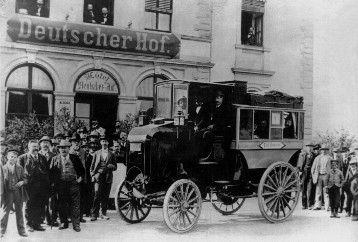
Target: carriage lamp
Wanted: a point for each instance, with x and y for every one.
(142, 119)
(179, 119)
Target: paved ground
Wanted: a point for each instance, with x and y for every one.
(246, 225)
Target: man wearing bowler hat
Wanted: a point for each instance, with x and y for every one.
(66, 175)
(76, 149)
(103, 164)
(305, 163)
(320, 168)
(59, 136)
(45, 144)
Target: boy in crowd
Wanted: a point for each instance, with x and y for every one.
(12, 181)
(335, 181)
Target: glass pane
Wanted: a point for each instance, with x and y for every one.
(181, 99)
(145, 88)
(40, 80)
(164, 22)
(290, 128)
(145, 104)
(150, 20)
(16, 102)
(42, 103)
(302, 125)
(19, 78)
(163, 109)
(261, 124)
(83, 110)
(245, 124)
(276, 133)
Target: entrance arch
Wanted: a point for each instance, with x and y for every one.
(96, 98)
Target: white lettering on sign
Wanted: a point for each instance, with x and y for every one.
(96, 81)
(272, 145)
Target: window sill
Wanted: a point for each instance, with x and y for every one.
(158, 30)
(252, 48)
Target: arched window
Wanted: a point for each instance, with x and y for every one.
(145, 91)
(29, 89)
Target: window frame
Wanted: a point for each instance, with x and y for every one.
(259, 42)
(29, 91)
(159, 11)
(155, 81)
(97, 8)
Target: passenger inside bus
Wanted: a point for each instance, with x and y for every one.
(262, 131)
(289, 131)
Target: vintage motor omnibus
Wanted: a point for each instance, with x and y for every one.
(255, 157)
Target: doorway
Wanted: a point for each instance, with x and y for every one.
(100, 107)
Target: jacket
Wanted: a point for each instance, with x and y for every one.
(55, 168)
(48, 158)
(316, 166)
(81, 153)
(354, 186)
(110, 160)
(335, 178)
(4, 179)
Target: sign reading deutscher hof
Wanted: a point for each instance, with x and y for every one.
(96, 81)
(42, 31)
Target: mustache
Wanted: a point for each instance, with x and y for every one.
(35, 150)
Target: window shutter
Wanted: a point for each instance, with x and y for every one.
(159, 5)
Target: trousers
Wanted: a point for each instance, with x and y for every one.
(321, 187)
(12, 197)
(101, 196)
(334, 198)
(69, 200)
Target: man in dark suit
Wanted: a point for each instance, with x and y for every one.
(12, 192)
(38, 187)
(106, 18)
(67, 173)
(89, 16)
(40, 10)
(76, 149)
(103, 164)
(45, 144)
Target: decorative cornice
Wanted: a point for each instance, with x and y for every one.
(252, 72)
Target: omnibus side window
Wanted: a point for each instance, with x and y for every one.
(245, 124)
(302, 126)
(290, 125)
(181, 100)
(261, 124)
(163, 101)
(276, 125)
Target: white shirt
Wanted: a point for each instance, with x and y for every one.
(64, 159)
(11, 168)
(104, 153)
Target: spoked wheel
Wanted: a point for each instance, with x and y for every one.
(130, 205)
(182, 206)
(226, 204)
(278, 192)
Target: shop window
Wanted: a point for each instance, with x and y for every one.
(158, 15)
(39, 8)
(98, 12)
(252, 28)
(145, 91)
(245, 124)
(29, 89)
(261, 124)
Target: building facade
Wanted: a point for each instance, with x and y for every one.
(100, 59)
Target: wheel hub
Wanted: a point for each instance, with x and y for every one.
(184, 205)
(280, 191)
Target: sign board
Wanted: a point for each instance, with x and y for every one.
(42, 31)
(272, 145)
(96, 81)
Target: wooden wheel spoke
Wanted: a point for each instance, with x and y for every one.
(272, 182)
(269, 187)
(125, 205)
(289, 197)
(292, 190)
(129, 208)
(132, 211)
(278, 207)
(288, 178)
(178, 196)
(193, 199)
(187, 217)
(273, 207)
(191, 192)
(268, 193)
(136, 211)
(280, 176)
(269, 207)
(284, 176)
(283, 207)
(141, 210)
(269, 199)
(176, 218)
(277, 181)
(173, 198)
(287, 203)
(291, 183)
(182, 191)
(174, 211)
(186, 192)
(173, 205)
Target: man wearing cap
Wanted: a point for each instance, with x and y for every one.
(66, 175)
(76, 149)
(337, 155)
(352, 171)
(59, 136)
(12, 181)
(38, 187)
(305, 163)
(103, 164)
(45, 144)
(53, 147)
(321, 166)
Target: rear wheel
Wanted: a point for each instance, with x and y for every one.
(226, 204)
(278, 192)
(182, 206)
(130, 203)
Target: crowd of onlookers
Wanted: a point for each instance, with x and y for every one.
(329, 179)
(60, 179)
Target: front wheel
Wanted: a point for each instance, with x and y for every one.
(278, 192)
(182, 206)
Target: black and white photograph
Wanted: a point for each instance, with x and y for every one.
(179, 120)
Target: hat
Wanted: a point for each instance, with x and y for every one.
(353, 161)
(103, 137)
(45, 138)
(54, 142)
(220, 93)
(310, 144)
(94, 133)
(58, 134)
(13, 150)
(336, 150)
(92, 145)
(344, 149)
(324, 147)
(75, 137)
(64, 143)
(334, 161)
(316, 146)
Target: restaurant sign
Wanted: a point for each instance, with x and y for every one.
(45, 32)
(96, 81)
